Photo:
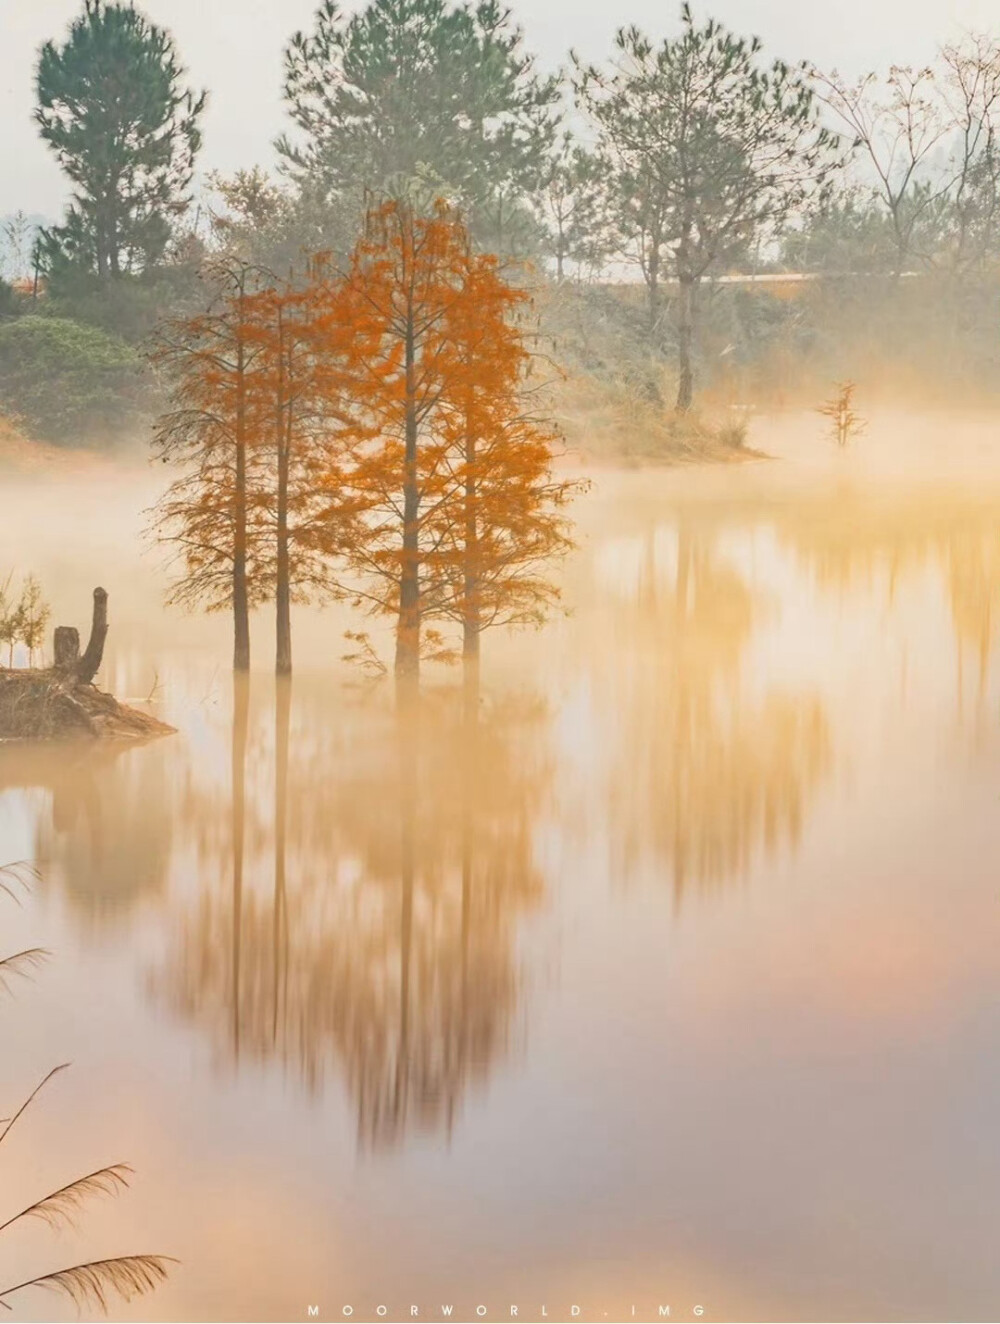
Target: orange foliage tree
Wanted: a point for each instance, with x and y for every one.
(257, 419)
(498, 535)
(213, 433)
(401, 282)
(376, 421)
(453, 472)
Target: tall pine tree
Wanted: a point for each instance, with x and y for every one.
(113, 108)
(420, 89)
(708, 149)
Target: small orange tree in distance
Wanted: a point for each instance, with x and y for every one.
(507, 522)
(845, 422)
(214, 432)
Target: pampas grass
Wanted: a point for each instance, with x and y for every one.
(21, 965)
(92, 1284)
(62, 1206)
(16, 878)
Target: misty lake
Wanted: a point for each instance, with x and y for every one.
(673, 981)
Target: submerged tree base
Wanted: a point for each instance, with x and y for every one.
(52, 705)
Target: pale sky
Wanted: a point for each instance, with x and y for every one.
(233, 47)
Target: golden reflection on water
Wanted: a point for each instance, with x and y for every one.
(703, 774)
(368, 924)
(650, 981)
(107, 837)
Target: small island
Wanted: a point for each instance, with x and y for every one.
(62, 702)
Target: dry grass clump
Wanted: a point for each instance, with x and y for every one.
(705, 437)
(626, 418)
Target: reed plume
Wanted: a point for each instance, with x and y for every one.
(92, 1284)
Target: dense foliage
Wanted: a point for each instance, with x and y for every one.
(66, 382)
(113, 109)
(410, 89)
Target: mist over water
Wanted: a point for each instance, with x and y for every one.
(670, 977)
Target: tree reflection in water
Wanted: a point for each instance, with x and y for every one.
(379, 940)
(972, 563)
(107, 840)
(851, 535)
(705, 775)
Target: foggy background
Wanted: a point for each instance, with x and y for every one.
(234, 48)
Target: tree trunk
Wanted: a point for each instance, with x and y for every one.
(101, 240)
(241, 721)
(90, 663)
(471, 606)
(66, 648)
(685, 343)
(408, 629)
(283, 597)
(653, 290)
(471, 672)
(241, 611)
(902, 243)
(283, 600)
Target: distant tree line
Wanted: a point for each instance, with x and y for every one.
(683, 159)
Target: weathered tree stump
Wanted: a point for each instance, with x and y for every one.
(60, 702)
(66, 648)
(90, 663)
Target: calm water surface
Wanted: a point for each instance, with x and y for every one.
(674, 979)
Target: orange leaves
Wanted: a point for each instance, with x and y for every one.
(213, 512)
(403, 277)
(258, 424)
(461, 507)
(375, 421)
(505, 525)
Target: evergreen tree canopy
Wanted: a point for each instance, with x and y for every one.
(708, 148)
(113, 109)
(416, 88)
(728, 147)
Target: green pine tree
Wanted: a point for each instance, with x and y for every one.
(709, 150)
(419, 89)
(113, 109)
